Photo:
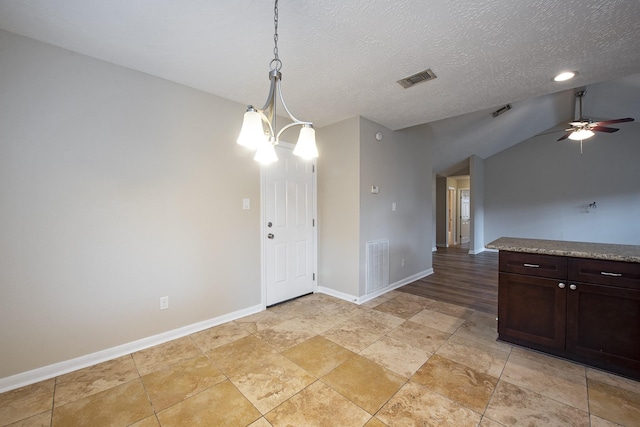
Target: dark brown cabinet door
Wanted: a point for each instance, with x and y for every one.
(603, 323)
(532, 309)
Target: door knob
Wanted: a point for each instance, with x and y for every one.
(573, 287)
(561, 285)
(270, 236)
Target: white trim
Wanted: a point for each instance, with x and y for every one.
(395, 285)
(477, 251)
(60, 368)
(314, 183)
(263, 273)
(338, 294)
(360, 300)
(434, 249)
(491, 250)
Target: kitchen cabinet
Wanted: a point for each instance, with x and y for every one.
(531, 299)
(603, 312)
(583, 309)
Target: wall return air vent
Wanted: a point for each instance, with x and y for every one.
(422, 76)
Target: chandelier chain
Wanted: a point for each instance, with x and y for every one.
(276, 63)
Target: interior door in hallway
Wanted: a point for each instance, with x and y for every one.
(289, 227)
(465, 216)
(451, 224)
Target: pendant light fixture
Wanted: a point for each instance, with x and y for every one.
(256, 136)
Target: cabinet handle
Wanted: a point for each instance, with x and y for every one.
(604, 273)
(532, 265)
(561, 285)
(573, 287)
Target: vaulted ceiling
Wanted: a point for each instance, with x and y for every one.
(343, 58)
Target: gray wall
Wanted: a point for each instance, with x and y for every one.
(351, 161)
(116, 188)
(400, 166)
(339, 206)
(441, 211)
(476, 171)
(540, 189)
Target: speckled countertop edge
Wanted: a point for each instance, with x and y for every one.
(605, 251)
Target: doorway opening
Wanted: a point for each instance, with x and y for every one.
(453, 210)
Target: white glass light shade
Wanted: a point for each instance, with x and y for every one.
(306, 146)
(581, 134)
(266, 152)
(252, 132)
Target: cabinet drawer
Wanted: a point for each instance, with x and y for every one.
(533, 264)
(602, 272)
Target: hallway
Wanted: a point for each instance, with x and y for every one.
(459, 278)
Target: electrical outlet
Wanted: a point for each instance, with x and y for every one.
(164, 303)
(403, 262)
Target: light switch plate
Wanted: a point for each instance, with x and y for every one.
(246, 204)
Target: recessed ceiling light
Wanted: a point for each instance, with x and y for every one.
(565, 76)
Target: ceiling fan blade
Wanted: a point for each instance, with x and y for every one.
(610, 122)
(604, 129)
(566, 135)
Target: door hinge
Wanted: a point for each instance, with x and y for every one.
(314, 277)
(313, 168)
(313, 222)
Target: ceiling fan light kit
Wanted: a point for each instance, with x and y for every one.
(581, 134)
(582, 128)
(253, 134)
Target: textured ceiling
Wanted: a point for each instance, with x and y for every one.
(343, 58)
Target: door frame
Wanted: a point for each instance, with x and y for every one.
(263, 226)
(452, 210)
(459, 219)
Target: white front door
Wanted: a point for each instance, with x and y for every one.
(289, 227)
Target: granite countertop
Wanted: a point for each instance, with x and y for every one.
(606, 251)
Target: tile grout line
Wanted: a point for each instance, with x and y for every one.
(496, 387)
(53, 399)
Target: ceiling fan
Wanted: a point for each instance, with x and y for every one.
(585, 128)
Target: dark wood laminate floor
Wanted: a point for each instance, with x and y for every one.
(461, 279)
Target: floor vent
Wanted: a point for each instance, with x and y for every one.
(420, 77)
(377, 265)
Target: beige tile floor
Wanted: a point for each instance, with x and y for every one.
(399, 360)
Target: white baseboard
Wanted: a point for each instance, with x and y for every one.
(338, 294)
(61, 368)
(434, 249)
(477, 251)
(360, 300)
(395, 285)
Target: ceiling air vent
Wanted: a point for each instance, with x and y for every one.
(420, 77)
(501, 110)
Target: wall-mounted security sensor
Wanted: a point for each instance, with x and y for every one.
(379, 136)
